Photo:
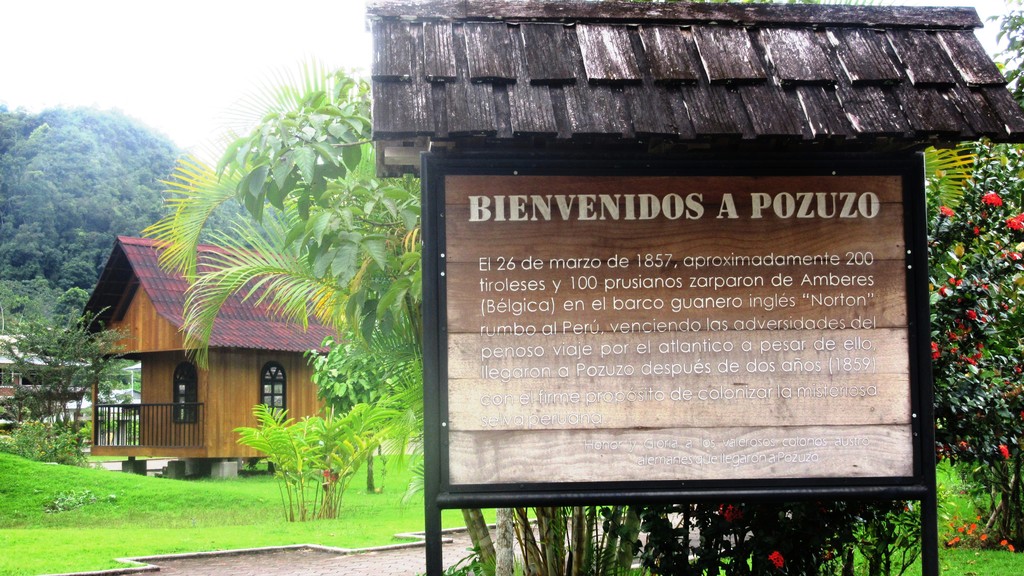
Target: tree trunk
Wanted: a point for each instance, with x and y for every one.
(582, 539)
(533, 561)
(479, 534)
(371, 488)
(631, 532)
(505, 545)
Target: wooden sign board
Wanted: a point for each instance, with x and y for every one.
(603, 328)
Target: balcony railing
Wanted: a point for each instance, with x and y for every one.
(177, 425)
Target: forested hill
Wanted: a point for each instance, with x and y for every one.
(71, 180)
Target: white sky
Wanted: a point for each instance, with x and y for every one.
(178, 65)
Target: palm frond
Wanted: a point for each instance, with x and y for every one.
(948, 172)
(280, 91)
(256, 264)
(195, 192)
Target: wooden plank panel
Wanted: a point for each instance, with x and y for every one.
(864, 56)
(488, 50)
(464, 240)
(728, 55)
(969, 58)
(671, 54)
(698, 353)
(146, 330)
(438, 52)
(772, 110)
(607, 54)
(680, 454)
(925, 61)
(459, 188)
(545, 47)
(710, 401)
(798, 55)
(730, 294)
(395, 49)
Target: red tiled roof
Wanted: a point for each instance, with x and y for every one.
(134, 262)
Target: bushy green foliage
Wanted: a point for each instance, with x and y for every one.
(976, 252)
(70, 500)
(70, 181)
(314, 458)
(45, 442)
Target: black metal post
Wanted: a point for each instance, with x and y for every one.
(432, 345)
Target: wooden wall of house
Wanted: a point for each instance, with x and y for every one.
(229, 389)
(147, 330)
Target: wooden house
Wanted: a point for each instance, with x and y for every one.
(188, 411)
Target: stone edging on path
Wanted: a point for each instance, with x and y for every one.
(146, 566)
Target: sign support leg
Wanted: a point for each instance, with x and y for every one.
(435, 550)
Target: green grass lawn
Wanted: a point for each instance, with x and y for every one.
(136, 516)
(140, 516)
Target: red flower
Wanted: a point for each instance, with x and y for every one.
(972, 315)
(977, 231)
(1005, 451)
(992, 199)
(1015, 223)
(731, 513)
(777, 559)
(935, 351)
(946, 211)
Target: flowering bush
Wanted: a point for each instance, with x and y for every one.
(45, 443)
(976, 253)
(746, 539)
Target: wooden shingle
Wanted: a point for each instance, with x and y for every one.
(864, 55)
(438, 52)
(922, 57)
(488, 50)
(545, 47)
(798, 56)
(525, 72)
(608, 56)
(531, 112)
(727, 55)
(969, 58)
(671, 54)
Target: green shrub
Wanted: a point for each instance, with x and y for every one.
(69, 500)
(45, 443)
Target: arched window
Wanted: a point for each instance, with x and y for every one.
(273, 385)
(186, 393)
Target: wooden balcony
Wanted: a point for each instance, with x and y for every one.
(149, 429)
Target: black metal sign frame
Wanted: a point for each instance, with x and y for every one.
(441, 494)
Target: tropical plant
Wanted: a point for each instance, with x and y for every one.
(59, 365)
(314, 458)
(976, 274)
(45, 442)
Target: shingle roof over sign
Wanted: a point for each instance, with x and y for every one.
(134, 263)
(517, 71)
